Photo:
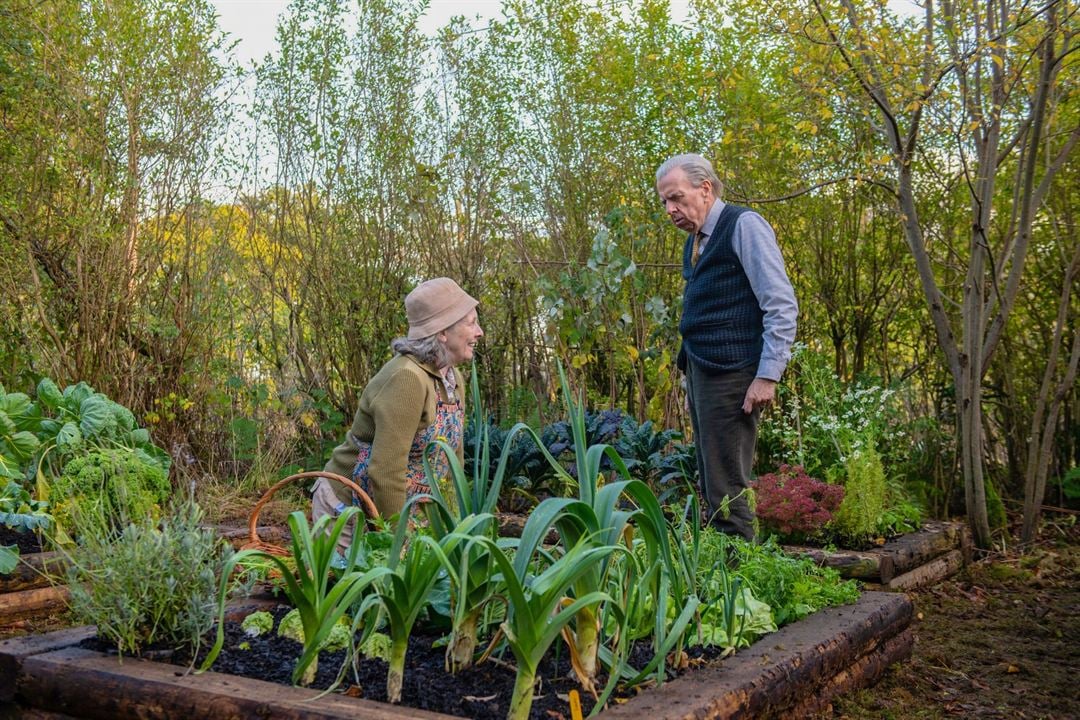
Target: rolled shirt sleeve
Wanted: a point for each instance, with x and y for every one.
(754, 242)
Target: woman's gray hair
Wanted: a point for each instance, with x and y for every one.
(697, 168)
(427, 350)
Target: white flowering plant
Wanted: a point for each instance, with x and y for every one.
(829, 427)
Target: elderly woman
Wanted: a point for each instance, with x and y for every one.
(414, 399)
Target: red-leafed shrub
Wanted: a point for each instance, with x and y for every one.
(793, 504)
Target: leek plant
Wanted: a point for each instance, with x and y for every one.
(414, 566)
(597, 516)
(651, 609)
(473, 578)
(537, 611)
(307, 588)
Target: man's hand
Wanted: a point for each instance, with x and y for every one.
(760, 393)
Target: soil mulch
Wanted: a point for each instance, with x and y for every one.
(482, 692)
(999, 640)
(27, 542)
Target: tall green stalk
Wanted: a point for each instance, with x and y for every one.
(597, 516)
(536, 615)
(414, 568)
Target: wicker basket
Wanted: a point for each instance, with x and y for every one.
(253, 536)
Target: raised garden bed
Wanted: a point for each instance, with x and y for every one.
(909, 561)
(27, 591)
(793, 672)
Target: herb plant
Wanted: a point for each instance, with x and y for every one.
(859, 517)
(148, 583)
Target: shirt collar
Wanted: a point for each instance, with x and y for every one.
(710, 219)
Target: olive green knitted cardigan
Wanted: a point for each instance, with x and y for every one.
(397, 404)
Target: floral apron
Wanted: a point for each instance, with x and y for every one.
(448, 427)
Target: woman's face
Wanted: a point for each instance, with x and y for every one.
(460, 338)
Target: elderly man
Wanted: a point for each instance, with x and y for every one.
(737, 327)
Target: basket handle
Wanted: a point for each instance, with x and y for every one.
(365, 500)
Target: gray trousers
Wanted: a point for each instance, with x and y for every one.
(724, 437)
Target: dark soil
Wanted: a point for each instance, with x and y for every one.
(27, 542)
(481, 692)
(999, 640)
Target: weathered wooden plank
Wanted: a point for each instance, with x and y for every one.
(832, 650)
(868, 565)
(14, 711)
(896, 557)
(98, 687)
(934, 571)
(914, 549)
(780, 670)
(864, 672)
(13, 650)
(28, 603)
(33, 571)
(237, 537)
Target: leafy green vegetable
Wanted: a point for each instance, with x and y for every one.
(19, 511)
(258, 623)
(292, 627)
(307, 585)
(792, 587)
(122, 482)
(9, 558)
(83, 419)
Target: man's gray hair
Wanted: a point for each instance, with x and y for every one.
(429, 350)
(697, 168)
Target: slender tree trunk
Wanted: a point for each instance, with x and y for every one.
(1048, 406)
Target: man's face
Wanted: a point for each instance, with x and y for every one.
(685, 204)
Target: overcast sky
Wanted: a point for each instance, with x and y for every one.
(253, 22)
